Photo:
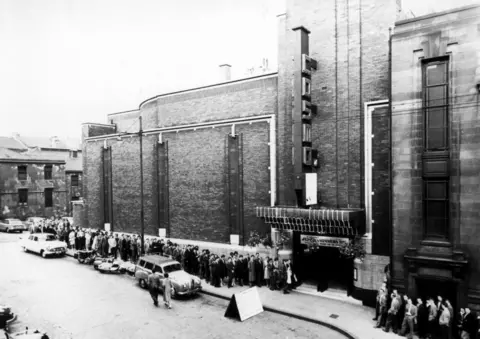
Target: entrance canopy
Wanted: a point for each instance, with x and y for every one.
(339, 222)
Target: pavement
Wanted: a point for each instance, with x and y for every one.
(352, 320)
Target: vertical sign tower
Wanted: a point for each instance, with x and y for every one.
(305, 159)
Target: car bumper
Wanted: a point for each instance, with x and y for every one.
(55, 253)
(190, 291)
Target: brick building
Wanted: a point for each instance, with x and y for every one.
(223, 160)
(38, 176)
(435, 155)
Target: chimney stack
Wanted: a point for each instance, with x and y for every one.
(225, 74)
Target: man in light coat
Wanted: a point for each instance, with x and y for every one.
(392, 314)
(167, 291)
(409, 319)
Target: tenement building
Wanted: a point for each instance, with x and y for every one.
(435, 155)
(303, 153)
(39, 177)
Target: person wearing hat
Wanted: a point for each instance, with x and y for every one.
(154, 285)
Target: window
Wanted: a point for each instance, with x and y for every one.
(436, 209)
(23, 196)
(74, 179)
(22, 172)
(307, 133)
(435, 99)
(141, 263)
(48, 197)
(47, 170)
(74, 154)
(149, 266)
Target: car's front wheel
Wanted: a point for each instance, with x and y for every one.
(142, 283)
(43, 254)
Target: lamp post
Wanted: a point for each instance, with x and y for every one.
(142, 226)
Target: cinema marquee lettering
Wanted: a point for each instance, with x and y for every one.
(323, 241)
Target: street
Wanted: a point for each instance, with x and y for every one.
(70, 300)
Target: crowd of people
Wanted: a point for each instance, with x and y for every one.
(217, 270)
(428, 318)
(234, 269)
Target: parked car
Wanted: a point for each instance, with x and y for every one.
(183, 282)
(97, 261)
(27, 334)
(6, 316)
(12, 225)
(44, 244)
(110, 267)
(31, 222)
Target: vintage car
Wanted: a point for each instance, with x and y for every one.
(183, 283)
(100, 260)
(33, 222)
(86, 256)
(12, 225)
(110, 267)
(44, 244)
(27, 334)
(128, 267)
(6, 316)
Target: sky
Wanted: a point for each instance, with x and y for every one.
(66, 62)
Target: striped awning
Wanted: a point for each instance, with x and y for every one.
(341, 222)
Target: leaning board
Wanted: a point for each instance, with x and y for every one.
(245, 304)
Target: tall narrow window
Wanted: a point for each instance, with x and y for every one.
(435, 98)
(48, 197)
(22, 172)
(436, 209)
(23, 196)
(47, 170)
(74, 179)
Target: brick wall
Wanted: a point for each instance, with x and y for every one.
(235, 100)
(460, 34)
(351, 45)
(36, 184)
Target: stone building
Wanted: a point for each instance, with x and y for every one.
(435, 155)
(301, 151)
(38, 176)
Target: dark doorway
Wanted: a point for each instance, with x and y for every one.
(323, 267)
(430, 287)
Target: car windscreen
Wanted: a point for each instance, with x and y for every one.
(172, 268)
(49, 238)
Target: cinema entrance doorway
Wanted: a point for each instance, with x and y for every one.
(319, 264)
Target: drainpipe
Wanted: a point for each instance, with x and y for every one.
(390, 214)
(273, 162)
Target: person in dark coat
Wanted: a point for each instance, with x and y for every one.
(258, 270)
(222, 266)
(422, 318)
(252, 271)
(245, 270)
(401, 310)
(206, 265)
(105, 245)
(211, 268)
(238, 264)
(470, 325)
(230, 271)
(134, 250)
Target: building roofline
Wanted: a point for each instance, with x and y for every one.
(97, 124)
(432, 15)
(123, 112)
(227, 83)
(33, 161)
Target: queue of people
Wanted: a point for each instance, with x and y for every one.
(231, 270)
(428, 318)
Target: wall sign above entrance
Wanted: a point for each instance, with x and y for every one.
(323, 241)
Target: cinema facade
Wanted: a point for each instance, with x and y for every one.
(306, 151)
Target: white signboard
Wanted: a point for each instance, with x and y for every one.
(162, 232)
(248, 303)
(107, 227)
(323, 241)
(310, 189)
